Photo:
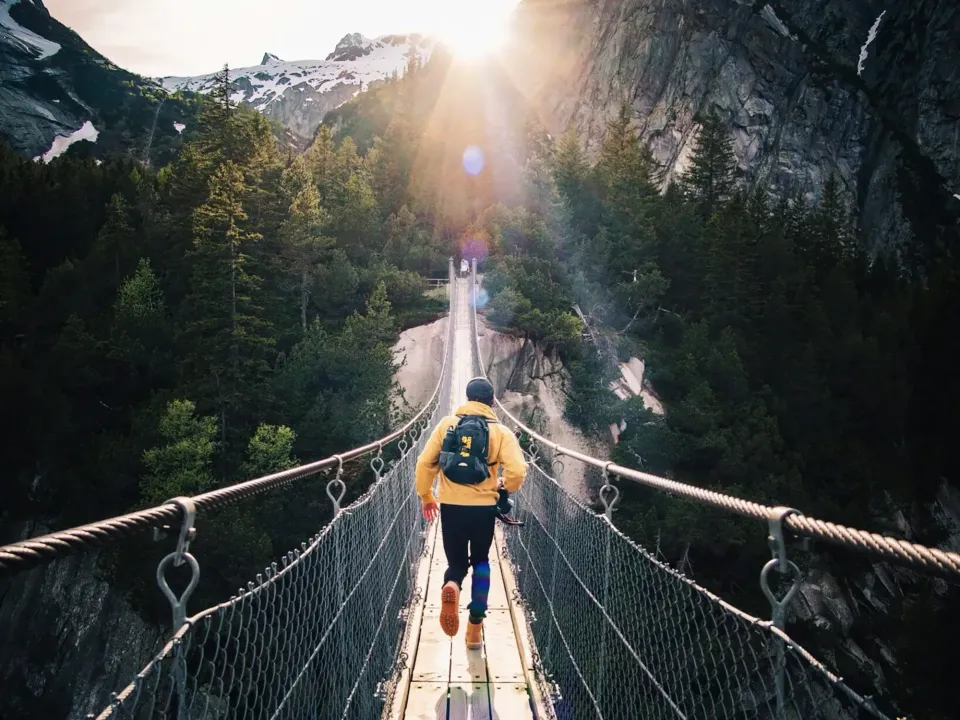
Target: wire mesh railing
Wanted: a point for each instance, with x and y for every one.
(621, 635)
(317, 635)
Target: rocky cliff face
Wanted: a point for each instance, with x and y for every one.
(531, 386)
(69, 639)
(805, 93)
(855, 621)
(56, 91)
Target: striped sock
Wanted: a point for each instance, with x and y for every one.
(480, 588)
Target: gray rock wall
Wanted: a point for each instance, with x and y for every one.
(69, 640)
(785, 76)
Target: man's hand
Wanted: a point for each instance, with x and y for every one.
(430, 511)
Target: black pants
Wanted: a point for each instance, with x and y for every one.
(467, 536)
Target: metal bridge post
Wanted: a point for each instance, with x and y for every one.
(603, 637)
(784, 566)
(178, 605)
(341, 487)
(609, 495)
(474, 295)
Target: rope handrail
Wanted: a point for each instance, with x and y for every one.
(43, 549)
(894, 549)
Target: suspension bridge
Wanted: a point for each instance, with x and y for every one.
(583, 623)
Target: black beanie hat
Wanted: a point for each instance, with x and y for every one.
(481, 390)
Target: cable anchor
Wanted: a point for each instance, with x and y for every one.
(178, 605)
(337, 482)
(376, 462)
(609, 494)
(782, 563)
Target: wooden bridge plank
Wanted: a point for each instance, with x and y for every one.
(497, 599)
(427, 701)
(433, 653)
(509, 701)
(466, 665)
(500, 642)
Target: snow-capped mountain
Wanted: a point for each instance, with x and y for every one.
(298, 94)
(57, 92)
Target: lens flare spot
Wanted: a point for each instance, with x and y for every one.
(482, 298)
(473, 160)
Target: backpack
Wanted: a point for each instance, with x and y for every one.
(463, 454)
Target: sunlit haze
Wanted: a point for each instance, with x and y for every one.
(191, 37)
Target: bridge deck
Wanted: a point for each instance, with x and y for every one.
(449, 682)
(445, 680)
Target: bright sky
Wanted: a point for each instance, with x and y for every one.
(193, 37)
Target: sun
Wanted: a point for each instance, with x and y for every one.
(473, 31)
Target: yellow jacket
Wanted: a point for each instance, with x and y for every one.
(502, 449)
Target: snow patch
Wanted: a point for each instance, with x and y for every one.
(871, 36)
(957, 196)
(62, 142)
(179, 127)
(24, 39)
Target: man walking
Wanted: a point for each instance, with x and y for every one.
(467, 450)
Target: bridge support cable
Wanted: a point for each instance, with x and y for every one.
(623, 635)
(317, 635)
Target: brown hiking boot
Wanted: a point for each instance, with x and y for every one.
(474, 635)
(450, 608)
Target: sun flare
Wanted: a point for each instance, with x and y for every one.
(474, 31)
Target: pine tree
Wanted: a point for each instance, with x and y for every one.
(216, 119)
(354, 219)
(302, 241)
(402, 235)
(575, 183)
(625, 173)
(15, 293)
(321, 159)
(113, 248)
(139, 318)
(391, 158)
(828, 239)
(728, 264)
(227, 336)
(709, 180)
